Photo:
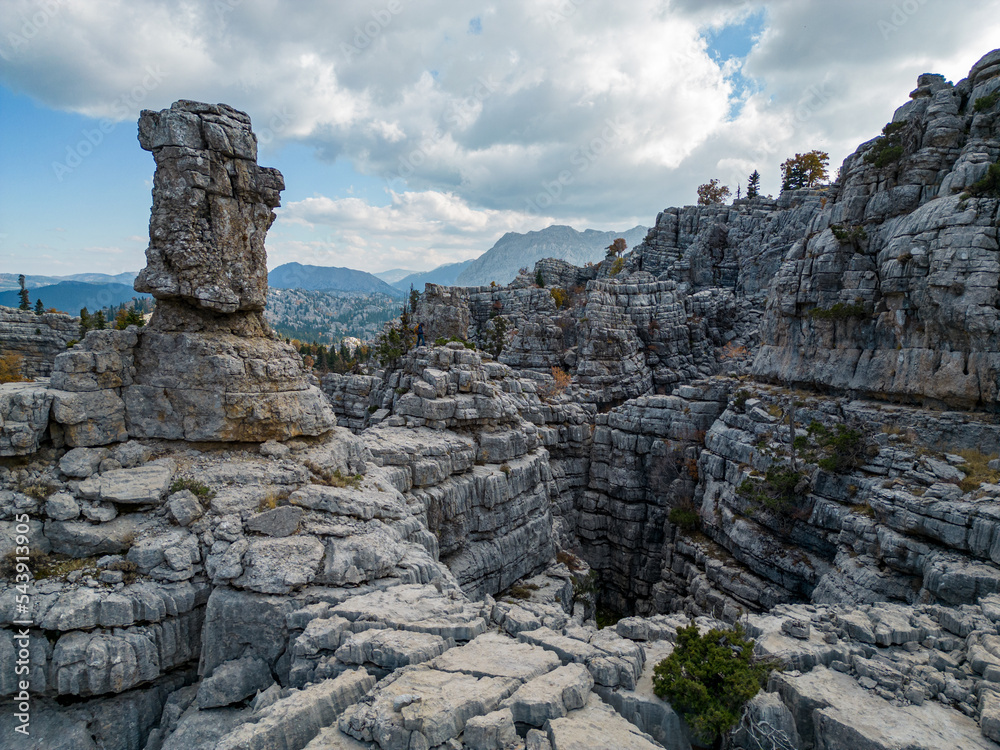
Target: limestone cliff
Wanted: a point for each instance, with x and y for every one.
(429, 576)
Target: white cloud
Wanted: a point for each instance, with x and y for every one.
(423, 229)
(591, 112)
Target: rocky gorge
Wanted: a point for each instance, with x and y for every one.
(781, 412)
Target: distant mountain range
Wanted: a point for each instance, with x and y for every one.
(9, 280)
(394, 274)
(328, 279)
(500, 263)
(71, 296)
(514, 251)
(445, 275)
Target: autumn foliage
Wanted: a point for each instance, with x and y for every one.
(712, 193)
(804, 170)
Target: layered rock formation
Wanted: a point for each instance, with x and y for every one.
(37, 339)
(429, 577)
(206, 367)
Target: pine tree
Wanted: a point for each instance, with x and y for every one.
(753, 184)
(39, 307)
(99, 323)
(23, 294)
(86, 323)
(804, 170)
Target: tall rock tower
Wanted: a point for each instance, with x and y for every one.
(207, 367)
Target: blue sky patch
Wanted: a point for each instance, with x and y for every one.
(735, 41)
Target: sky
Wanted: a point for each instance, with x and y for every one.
(412, 134)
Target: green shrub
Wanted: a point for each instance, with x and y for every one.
(559, 296)
(522, 590)
(496, 336)
(709, 678)
(539, 280)
(840, 311)
(441, 341)
(776, 490)
(849, 235)
(984, 103)
(617, 266)
(888, 148)
(685, 517)
(605, 617)
(845, 448)
(739, 401)
(988, 187)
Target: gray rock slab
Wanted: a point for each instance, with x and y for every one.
(551, 695)
(80, 463)
(80, 539)
(495, 655)
(277, 566)
(833, 711)
(62, 506)
(277, 522)
(233, 682)
(417, 607)
(293, 722)
(424, 706)
(363, 503)
(201, 730)
(184, 507)
(145, 485)
(494, 731)
(597, 725)
(646, 710)
(390, 649)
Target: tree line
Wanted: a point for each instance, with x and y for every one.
(800, 171)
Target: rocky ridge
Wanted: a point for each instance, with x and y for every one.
(426, 574)
(37, 339)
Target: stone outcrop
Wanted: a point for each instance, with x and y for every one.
(895, 290)
(206, 367)
(212, 207)
(431, 572)
(36, 338)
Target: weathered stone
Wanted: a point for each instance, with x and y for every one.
(234, 681)
(24, 416)
(278, 522)
(551, 695)
(277, 566)
(294, 721)
(184, 507)
(596, 725)
(494, 731)
(62, 507)
(80, 463)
